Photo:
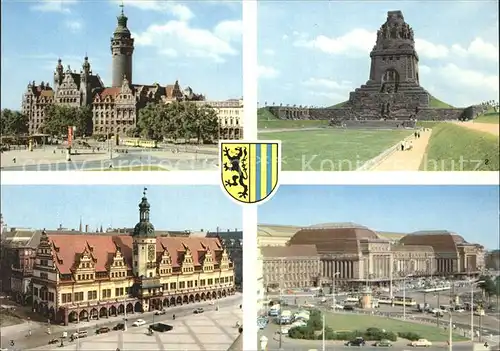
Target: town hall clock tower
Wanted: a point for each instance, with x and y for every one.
(144, 256)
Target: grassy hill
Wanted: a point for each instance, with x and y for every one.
(456, 148)
(263, 114)
(489, 116)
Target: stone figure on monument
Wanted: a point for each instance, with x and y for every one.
(385, 31)
(405, 31)
(380, 35)
(411, 34)
(397, 30)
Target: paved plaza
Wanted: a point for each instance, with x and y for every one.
(208, 331)
(50, 158)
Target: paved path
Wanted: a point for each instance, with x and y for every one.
(207, 331)
(46, 160)
(408, 160)
(491, 128)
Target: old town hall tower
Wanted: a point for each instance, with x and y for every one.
(122, 48)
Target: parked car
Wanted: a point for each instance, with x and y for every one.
(383, 343)
(198, 310)
(356, 342)
(421, 343)
(161, 327)
(52, 341)
(103, 330)
(119, 326)
(139, 322)
(348, 308)
(160, 312)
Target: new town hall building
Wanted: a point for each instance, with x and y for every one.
(82, 276)
(115, 109)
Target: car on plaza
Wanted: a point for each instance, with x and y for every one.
(284, 331)
(103, 330)
(348, 308)
(337, 307)
(79, 334)
(160, 312)
(119, 326)
(139, 322)
(308, 305)
(359, 341)
(198, 310)
(383, 343)
(161, 327)
(421, 343)
(52, 341)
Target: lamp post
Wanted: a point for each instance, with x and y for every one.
(472, 284)
(281, 293)
(334, 303)
(323, 333)
(404, 295)
(450, 333)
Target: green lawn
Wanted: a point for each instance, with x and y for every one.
(428, 124)
(456, 148)
(363, 322)
(488, 117)
(135, 169)
(332, 149)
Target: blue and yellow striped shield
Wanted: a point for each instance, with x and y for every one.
(249, 171)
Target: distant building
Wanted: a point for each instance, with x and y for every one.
(18, 251)
(294, 266)
(230, 114)
(233, 242)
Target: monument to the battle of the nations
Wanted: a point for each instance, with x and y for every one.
(392, 92)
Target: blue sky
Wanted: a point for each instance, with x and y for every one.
(172, 207)
(316, 52)
(198, 43)
(471, 211)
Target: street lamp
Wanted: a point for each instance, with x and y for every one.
(404, 294)
(334, 304)
(472, 284)
(450, 335)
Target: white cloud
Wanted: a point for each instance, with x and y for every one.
(267, 72)
(478, 48)
(322, 83)
(355, 41)
(284, 37)
(180, 11)
(62, 6)
(430, 50)
(229, 30)
(269, 52)
(423, 69)
(192, 42)
(73, 25)
(468, 79)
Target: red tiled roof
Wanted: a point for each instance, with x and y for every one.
(47, 93)
(68, 247)
(110, 92)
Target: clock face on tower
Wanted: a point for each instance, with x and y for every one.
(151, 252)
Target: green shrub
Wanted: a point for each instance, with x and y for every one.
(306, 333)
(409, 336)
